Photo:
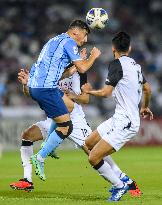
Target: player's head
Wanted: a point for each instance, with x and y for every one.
(121, 43)
(79, 31)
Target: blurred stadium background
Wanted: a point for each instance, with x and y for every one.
(25, 25)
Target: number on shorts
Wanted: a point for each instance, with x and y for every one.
(84, 131)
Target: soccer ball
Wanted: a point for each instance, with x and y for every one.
(97, 18)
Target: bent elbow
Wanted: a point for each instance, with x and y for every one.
(81, 69)
(104, 94)
(85, 100)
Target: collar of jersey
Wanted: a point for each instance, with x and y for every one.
(68, 36)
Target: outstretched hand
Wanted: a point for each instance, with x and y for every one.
(146, 112)
(86, 87)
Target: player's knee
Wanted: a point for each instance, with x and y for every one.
(32, 134)
(86, 150)
(88, 144)
(64, 129)
(26, 135)
(95, 161)
(92, 159)
(26, 140)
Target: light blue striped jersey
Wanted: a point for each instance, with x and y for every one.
(55, 56)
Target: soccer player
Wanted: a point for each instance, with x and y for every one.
(55, 56)
(125, 82)
(81, 130)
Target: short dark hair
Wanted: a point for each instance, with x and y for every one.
(79, 24)
(121, 41)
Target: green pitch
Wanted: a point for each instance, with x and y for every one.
(71, 181)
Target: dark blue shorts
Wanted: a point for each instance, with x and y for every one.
(49, 100)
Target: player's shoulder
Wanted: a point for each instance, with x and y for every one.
(127, 59)
(114, 61)
(68, 38)
(63, 37)
(114, 64)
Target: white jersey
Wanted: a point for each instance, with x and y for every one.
(74, 84)
(126, 77)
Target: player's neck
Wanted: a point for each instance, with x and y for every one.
(118, 55)
(69, 33)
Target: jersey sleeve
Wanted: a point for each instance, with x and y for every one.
(32, 70)
(72, 50)
(31, 73)
(83, 79)
(115, 73)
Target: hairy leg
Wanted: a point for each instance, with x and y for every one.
(92, 139)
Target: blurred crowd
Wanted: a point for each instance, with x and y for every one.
(25, 25)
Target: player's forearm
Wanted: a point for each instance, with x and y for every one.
(146, 99)
(99, 93)
(146, 95)
(85, 65)
(81, 99)
(26, 90)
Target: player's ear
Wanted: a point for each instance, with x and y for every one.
(113, 49)
(130, 48)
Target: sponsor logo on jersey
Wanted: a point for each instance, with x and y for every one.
(75, 49)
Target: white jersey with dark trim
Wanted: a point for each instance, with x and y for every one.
(74, 84)
(126, 77)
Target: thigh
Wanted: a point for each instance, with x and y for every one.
(120, 132)
(50, 100)
(92, 139)
(68, 102)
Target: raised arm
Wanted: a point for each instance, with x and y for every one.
(84, 65)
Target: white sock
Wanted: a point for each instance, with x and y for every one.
(108, 174)
(26, 153)
(114, 167)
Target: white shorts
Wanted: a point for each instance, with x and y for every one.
(117, 131)
(81, 129)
